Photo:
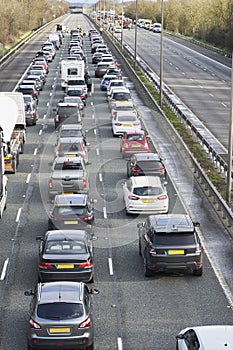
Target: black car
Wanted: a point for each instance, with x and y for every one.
(67, 113)
(71, 211)
(146, 164)
(170, 242)
(66, 255)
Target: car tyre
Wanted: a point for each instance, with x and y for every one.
(90, 347)
(30, 348)
(198, 272)
(139, 248)
(147, 272)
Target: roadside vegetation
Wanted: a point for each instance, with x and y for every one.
(207, 20)
(20, 17)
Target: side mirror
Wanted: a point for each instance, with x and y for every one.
(196, 224)
(94, 291)
(140, 224)
(29, 293)
(180, 336)
(39, 238)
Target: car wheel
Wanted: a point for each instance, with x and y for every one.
(147, 272)
(30, 348)
(139, 248)
(198, 272)
(90, 347)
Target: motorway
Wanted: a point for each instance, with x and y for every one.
(131, 312)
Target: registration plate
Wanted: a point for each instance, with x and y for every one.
(147, 200)
(71, 222)
(127, 125)
(135, 146)
(176, 252)
(65, 266)
(70, 154)
(59, 330)
(67, 192)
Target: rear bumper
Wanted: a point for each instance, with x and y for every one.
(78, 276)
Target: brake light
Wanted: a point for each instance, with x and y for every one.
(50, 184)
(118, 124)
(44, 265)
(87, 217)
(134, 198)
(33, 324)
(84, 183)
(57, 118)
(162, 197)
(86, 265)
(136, 168)
(86, 323)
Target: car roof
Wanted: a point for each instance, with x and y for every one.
(172, 223)
(70, 199)
(71, 127)
(71, 140)
(145, 181)
(52, 292)
(60, 160)
(126, 114)
(56, 235)
(66, 104)
(214, 337)
(146, 156)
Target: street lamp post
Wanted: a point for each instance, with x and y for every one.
(230, 141)
(161, 56)
(135, 37)
(122, 11)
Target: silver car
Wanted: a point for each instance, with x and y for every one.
(61, 316)
(216, 337)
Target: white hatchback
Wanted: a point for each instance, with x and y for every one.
(145, 195)
(125, 121)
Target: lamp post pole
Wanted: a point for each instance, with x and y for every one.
(230, 141)
(161, 56)
(122, 11)
(135, 36)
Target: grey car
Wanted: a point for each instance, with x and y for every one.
(170, 242)
(61, 316)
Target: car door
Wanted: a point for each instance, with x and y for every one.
(127, 191)
(147, 240)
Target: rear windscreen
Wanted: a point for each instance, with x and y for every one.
(60, 311)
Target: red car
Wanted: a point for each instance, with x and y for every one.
(134, 142)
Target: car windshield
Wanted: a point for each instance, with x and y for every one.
(66, 211)
(67, 111)
(69, 165)
(127, 118)
(173, 239)
(147, 191)
(135, 137)
(60, 311)
(118, 96)
(65, 247)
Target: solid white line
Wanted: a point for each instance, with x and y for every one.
(110, 266)
(44, 116)
(105, 212)
(119, 343)
(224, 105)
(35, 152)
(18, 215)
(28, 178)
(4, 269)
(100, 177)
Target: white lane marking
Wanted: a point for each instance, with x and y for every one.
(28, 178)
(93, 116)
(105, 212)
(211, 95)
(110, 266)
(3, 274)
(35, 152)
(95, 131)
(119, 343)
(18, 215)
(40, 132)
(97, 151)
(44, 116)
(91, 103)
(223, 104)
(100, 177)
(47, 104)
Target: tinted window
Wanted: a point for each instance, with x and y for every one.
(68, 166)
(71, 211)
(150, 165)
(135, 137)
(169, 239)
(71, 133)
(147, 191)
(121, 96)
(60, 311)
(65, 247)
(67, 111)
(70, 147)
(129, 118)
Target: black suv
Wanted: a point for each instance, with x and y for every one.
(170, 242)
(146, 164)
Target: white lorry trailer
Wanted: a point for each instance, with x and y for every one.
(13, 127)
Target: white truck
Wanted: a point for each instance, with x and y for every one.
(3, 178)
(13, 128)
(71, 70)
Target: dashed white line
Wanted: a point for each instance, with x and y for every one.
(18, 215)
(3, 274)
(97, 152)
(93, 116)
(110, 266)
(223, 104)
(28, 178)
(105, 212)
(211, 95)
(35, 152)
(100, 177)
(119, 343)
(40, 132)
(47, 104)
(95, 131)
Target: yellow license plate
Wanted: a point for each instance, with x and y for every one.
(147, 200)
(176, 252)
(65, 266)
(71, 222)
(70, 154)
(59, 330)
(67, 192)
(127, 125)
(135, 146)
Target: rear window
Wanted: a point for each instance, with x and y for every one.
(135, 137)
(68, 166)
(69, 147)
(128, 118)
(150, 165)
(65, 247)
(71, 133)
(75, 82)
(60, 311)
(171, 239)
(147, 191)
(121, 96)
(65, 112)
(71, 211)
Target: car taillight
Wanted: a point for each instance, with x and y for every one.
(57, 117)
(34, 94)
(84, 183)
(33, 324)
(87, 217)
(86, 265)
(198, 249)
(44, 265)
(135, 168)
(103, 81)
(136, 124)
(118, 124)
(162, 197)
(50, 184)
(134, 198)
(86, 323)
